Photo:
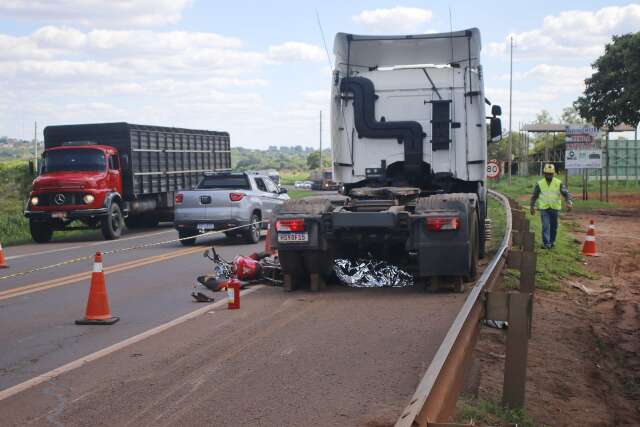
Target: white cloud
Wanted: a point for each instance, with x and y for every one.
(395, 20)
(296, 51)
(556, 78)
(101, 13)
(573, 33)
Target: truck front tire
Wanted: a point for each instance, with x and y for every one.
(113, 223)
(41, 232)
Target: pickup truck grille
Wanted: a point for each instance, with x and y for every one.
(60, 199)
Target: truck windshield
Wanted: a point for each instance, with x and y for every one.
(75, 159)
(227, 182)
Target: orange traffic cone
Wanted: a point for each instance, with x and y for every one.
(589, 246)
(3, 262)
(98, 304)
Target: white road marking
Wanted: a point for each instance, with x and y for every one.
(69, 248)
(12, 391)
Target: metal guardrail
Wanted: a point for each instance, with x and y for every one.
(434, 400)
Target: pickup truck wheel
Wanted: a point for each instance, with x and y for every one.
(188, 236)
(252, 234)
(41, 232)
(113, 223)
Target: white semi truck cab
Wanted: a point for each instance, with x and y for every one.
(409, 143)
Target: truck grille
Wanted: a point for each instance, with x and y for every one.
(60, 199)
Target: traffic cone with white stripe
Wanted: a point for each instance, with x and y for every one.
(3, 261)
(589, 246)
(98, 304)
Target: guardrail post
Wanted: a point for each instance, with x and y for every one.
(520, 305)
(515, 367)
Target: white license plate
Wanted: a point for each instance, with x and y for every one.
(60, 215)
(293, 237)
(205, 227)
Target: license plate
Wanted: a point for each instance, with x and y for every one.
(293, 237)
(60, 215)
(205, 227)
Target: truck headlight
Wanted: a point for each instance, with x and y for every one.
(34, 201)
(88, 198)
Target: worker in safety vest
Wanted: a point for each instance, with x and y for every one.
(547, 194)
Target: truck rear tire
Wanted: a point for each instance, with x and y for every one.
(475, 249)
(41, 232)
(113, 223)
(252, 233)
(189, 237)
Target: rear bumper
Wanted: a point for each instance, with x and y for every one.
(436, 253)
(77, 214)
(217, 224)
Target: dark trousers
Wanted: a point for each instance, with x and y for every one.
(549, 219)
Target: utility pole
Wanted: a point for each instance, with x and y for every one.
(35, 145)
(321, 142)
(510, 112)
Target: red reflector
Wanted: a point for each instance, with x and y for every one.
(290, 225)
(236, 197)
(179, 198)
(443, 223)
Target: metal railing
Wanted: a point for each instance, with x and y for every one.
(434, 400)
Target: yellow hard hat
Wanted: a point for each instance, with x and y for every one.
(549, 168)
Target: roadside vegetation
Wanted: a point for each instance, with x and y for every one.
(491, 413)
(565, 259)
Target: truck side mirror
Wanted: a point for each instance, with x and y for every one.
(282, 190)
(496, 110)
(495, 129)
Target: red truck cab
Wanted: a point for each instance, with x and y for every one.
(79, 181)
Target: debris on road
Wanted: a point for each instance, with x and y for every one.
(371, 273)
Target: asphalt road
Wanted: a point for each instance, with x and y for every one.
(146, 287)
(339, 357)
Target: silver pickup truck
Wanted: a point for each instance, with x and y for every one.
(225, 200)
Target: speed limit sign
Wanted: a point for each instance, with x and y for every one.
(493, 169)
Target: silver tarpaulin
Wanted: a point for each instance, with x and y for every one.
(371, 273)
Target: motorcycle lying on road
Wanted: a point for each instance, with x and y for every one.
(258, 267)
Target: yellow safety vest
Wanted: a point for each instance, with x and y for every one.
(550, 194)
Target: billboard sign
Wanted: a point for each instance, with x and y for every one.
(582, 150)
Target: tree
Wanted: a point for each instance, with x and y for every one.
(570, 115)
(543, 117)
(612, 93)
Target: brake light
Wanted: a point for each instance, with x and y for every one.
(443, 223)
(236, 197)
(290, 225)
(179, 198)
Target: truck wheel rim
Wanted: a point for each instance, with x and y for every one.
(115, 221)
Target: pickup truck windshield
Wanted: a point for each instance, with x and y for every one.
(74, 159)
(224, 182)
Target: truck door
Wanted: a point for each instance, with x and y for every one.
(114, 176)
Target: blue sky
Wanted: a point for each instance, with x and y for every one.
(258, 69)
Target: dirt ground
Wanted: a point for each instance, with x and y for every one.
(584, 355)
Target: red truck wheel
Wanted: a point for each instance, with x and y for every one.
(113, 223)
(41, 232)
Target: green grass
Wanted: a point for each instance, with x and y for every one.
(495, 211)
(491, 413)
(295, 193)
(290, 177)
